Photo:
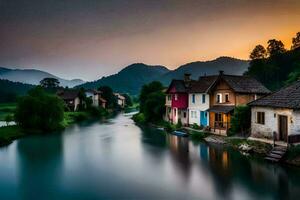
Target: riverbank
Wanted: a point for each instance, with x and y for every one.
(10, 133)
(243, 145)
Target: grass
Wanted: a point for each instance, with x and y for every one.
(10, 133)
(6, 109)
(73, 117)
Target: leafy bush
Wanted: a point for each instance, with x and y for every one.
(139, 118)
(293, 152)
(169, 127)
(179, 124)
(241, 120)
(39, 110)
(195, 126)
(198, 136)
(9, 118)
(97, 111)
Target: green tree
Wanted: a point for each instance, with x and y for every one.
(9, 118)
(82, 98)
(128, 100)
(241, 120)
(293, 76)
(108, 95)
(49, 83)
(275, 47)
(39, 110)
(147, 89)
(152, 101)
(296, 41)
(259, 52)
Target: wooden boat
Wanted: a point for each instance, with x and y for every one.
(180, 133)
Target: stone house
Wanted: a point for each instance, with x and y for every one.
(278, 115)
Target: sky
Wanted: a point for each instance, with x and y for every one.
(89, 39)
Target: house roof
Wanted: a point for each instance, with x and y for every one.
(102, 100)
(287, 97)
(68, 94)
(180, 86)
(221, 109)
(202, 85)
(245, 84)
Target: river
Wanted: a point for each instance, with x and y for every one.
(115, 159)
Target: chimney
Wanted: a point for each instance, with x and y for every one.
(221, 72)
(187, 77)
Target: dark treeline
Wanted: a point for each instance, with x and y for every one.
(11, 90)
(276, 66)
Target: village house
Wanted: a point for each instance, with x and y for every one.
(177, 101)
(227, 92)
(95, 95)
(278, 115)
(71, 98)
(120, 100)
(199, 101)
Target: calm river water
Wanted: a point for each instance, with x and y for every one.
(116, 159)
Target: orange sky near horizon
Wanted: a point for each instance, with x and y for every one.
(97, 38)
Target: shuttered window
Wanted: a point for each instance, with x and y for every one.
(260, 117)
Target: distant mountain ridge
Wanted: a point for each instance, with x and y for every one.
(133, 77)
(33, 76)
(130, 79)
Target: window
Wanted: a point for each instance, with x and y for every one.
(219, 120)
(203, 98)
(226, 97)
(260, 117)
(176, 97)
(193, 98)
(169, 97)
(219, 98)
(184, 114)
(193, 114)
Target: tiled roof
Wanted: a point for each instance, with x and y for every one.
(245, 84)
(179, 86)
(287, 97)
(68, 94)
(202, 85)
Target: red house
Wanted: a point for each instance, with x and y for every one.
(177, 101)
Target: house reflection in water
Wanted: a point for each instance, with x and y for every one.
(179, 147)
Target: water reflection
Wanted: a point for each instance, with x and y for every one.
(116, 159)
(39, 166)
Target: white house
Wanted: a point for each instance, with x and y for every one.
(199, 101)
(120, 99)
(98, 101)
(277, 114)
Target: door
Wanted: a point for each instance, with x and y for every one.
(283, 128)
(203, 118)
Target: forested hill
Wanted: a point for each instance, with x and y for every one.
(10, 90)
(275, 66)
(132, 78)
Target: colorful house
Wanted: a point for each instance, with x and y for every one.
(227, 92)
(199, 101)
(278, 115)
(177, 101)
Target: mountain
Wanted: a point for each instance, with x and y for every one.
(10, 90)
(32, 76)
(130, 79)
(229, 65)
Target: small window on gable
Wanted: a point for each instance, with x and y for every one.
(226, 97)
(219, 98)
(203, 98)
(260, 117)
(193, 98)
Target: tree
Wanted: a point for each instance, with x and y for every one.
(293, 76)
(128, 101)
(275, 47)
(241, 120)
(39, 110)
(9, 118)
(152, 101)
(147, 89)
(82, 98)
(259, 52)
(108, 95)
(296, 41)
(49, 83)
